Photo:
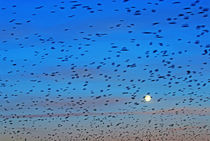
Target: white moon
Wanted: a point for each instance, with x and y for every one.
(147, 98)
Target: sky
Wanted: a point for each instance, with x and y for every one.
(79, 70)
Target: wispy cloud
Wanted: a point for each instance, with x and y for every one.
(180, 111)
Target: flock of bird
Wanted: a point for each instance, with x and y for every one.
(80, 70)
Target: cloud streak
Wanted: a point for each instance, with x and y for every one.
(180, 111)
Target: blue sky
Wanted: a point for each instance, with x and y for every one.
(58, 59)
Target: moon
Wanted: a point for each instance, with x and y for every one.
(147, 98)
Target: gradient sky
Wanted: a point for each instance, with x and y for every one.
(79, 70)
